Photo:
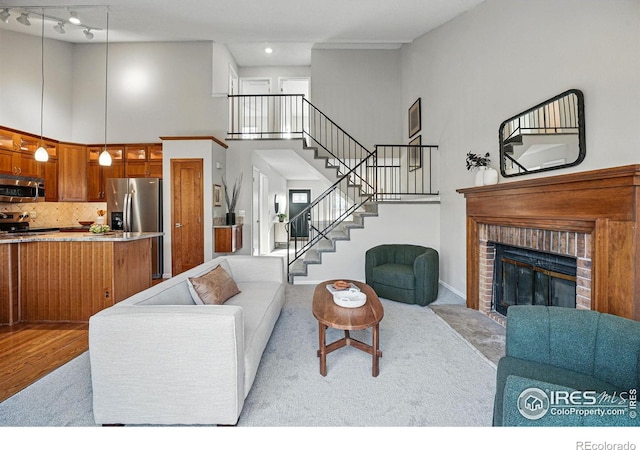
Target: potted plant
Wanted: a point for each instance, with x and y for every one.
(231, 201)
(486, 175)
(476, 161)
(281, 217)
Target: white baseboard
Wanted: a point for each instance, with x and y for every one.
(455, 291)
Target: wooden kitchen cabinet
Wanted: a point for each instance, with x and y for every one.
(72, 173)
(50, 174)
(97, 175)
(9, 304)
(99, 272)
(17, 153)
(227, 239)
(143, 160)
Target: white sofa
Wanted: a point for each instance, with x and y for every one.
(159, 358)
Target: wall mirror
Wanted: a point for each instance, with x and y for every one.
(548, 136)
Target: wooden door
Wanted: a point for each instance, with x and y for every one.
(187, 210)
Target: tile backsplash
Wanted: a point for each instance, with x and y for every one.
(56, 214)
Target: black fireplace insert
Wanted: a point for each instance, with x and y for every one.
(529, 277)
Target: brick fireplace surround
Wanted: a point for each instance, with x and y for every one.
(567, 243)
(592, 216)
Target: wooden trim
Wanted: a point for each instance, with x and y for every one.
(627, 175)
(195, 138)
(473, 261)
(604, 203)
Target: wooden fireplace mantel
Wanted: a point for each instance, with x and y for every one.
(604, 203)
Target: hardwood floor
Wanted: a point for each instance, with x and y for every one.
(30, 351)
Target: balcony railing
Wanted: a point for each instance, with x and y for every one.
(267, 116)
(404, 172)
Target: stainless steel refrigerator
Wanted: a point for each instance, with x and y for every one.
(135, 205)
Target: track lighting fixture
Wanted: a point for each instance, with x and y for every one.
(4, 15)
(74, 18)
(88, 34)
(60, 28)
(24, 19)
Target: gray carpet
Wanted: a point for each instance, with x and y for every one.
(429, 376)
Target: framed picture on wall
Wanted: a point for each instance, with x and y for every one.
(415, 118)
(217, 195)
(415, 154)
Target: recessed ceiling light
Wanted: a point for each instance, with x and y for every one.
(268, 50)
(74, 18)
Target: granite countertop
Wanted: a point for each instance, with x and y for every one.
(114, 236)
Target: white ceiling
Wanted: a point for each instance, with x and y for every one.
(289, 164)
(290, 27)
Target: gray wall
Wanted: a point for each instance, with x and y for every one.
(20, 83)
(505, 56)
(360, 91)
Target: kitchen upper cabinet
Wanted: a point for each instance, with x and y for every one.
(72, 173)
(49, 171)
(17, 153)
(97, 175)
(50, 175)
(143, 160)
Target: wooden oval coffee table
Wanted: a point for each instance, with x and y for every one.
(331, 315)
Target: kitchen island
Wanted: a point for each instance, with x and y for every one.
(68, 277)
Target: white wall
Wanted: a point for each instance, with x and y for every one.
(210, 152)
(359, 90)
(20, 84)
(395, 224)
(155, 89)
(221, 64)
(277, 186)
(506, 56)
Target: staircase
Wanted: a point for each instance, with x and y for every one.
(345, 205)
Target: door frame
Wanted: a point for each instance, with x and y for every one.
(260, 211)
(290, 193)
(173, 163)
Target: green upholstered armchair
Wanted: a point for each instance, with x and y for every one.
(562, 358)
(403, 272)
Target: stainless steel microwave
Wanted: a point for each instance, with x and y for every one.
(19, 189)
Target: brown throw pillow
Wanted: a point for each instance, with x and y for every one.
(215, 287)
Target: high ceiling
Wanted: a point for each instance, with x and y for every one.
(290, 27)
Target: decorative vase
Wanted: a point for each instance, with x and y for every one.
(231, 218)
(480, 176)
(490, 176)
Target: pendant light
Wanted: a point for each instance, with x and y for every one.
(41, 153)
(105, 157)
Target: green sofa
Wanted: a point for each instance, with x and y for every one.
(567, 367)
(403, 272)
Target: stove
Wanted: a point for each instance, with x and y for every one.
(14, 221)
(17, 223)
